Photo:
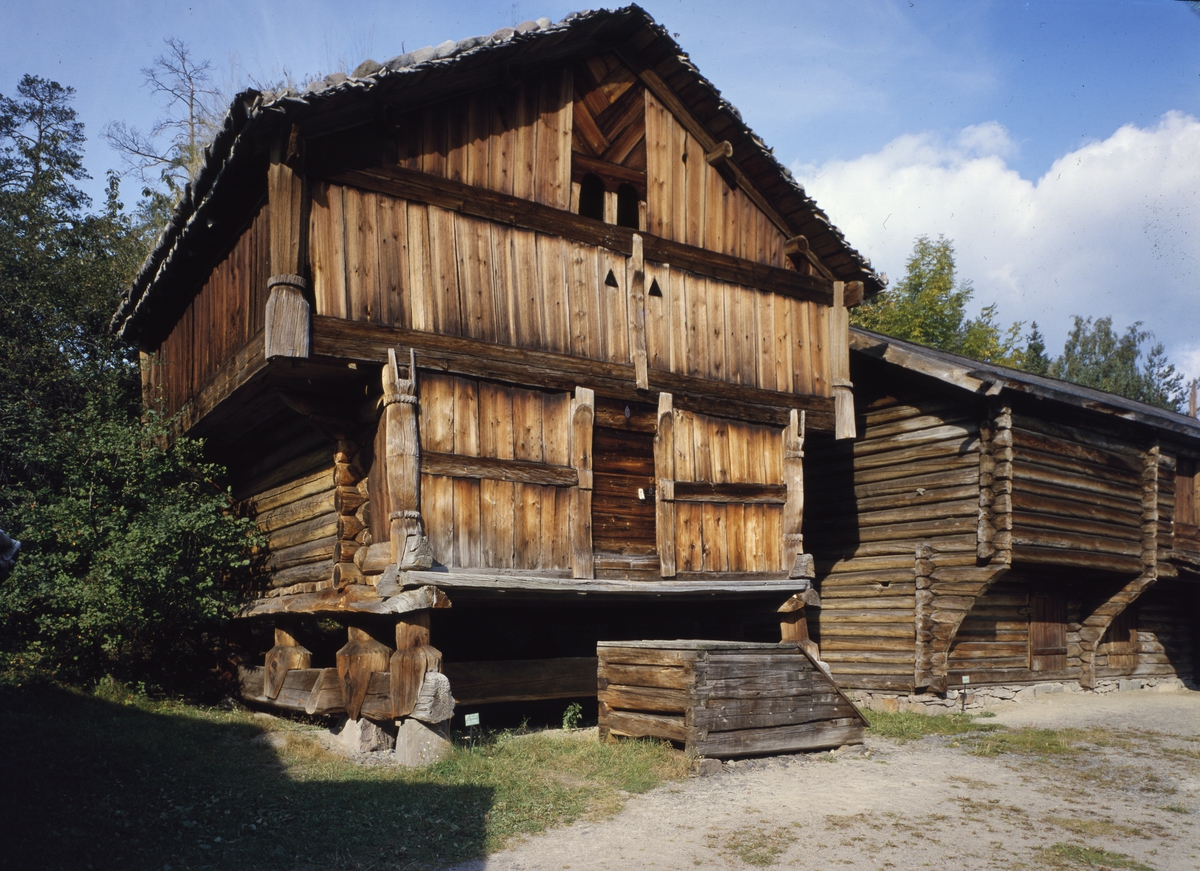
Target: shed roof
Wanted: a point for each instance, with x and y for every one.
(438, 72)
(990, 379)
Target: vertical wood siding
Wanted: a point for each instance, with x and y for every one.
(475, 523)
(727, 537)
(514, 141)
(375, 258)
(221, 318)
(688, 201)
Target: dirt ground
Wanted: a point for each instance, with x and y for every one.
(1127, 797)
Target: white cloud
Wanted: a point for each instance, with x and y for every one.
(1112, 228)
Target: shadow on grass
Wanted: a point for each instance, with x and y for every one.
(94, 784)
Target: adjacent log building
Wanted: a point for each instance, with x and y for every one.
(530, 324)
(1001, 526)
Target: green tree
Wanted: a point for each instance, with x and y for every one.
(1096, 356)
(128, 547)
(929, 307)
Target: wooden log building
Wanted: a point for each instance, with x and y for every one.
(1003, 527)
(531, 325)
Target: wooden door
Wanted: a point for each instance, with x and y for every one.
(623, 517)
(1122, 640)
(1047, 632)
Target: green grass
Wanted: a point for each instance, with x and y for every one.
(1066, 855)
(122, 781)
(912, 725)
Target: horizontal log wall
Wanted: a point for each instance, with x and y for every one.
(1077, 496)
(911, 477)
(300, 520)
(726, 536)
(221, 318)
(1168, 618)
(491, 522)
(385, 260)
(689, 201)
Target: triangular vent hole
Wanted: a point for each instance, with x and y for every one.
(655, 290)
(611, 280)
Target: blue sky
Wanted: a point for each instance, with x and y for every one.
(1055, 141)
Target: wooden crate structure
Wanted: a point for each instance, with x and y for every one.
(723, 698)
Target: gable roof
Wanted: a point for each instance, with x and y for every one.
(236, 156)
(989, 379)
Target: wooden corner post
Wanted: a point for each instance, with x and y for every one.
(583, 415)
(410, 546)
(839, 364)
(289, 315)
(664, 473)
(793, 509)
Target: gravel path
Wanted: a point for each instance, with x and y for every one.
(1134, 790)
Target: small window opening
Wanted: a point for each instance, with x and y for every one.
(611, 280)
(591, 197)
(627, 206)
(655, 290)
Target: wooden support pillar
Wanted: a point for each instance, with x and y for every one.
(793, 622)
(664, 472)
(282, 658)
(637, 314)
(289, 315)
(414, 658)
(410, 547)
(361, 656)
(839, 364)
(583, 415)
(801, 564)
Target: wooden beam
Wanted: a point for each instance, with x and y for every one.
(690, 585)
(522, 680)
(719, 153)
(288, 311)
(355, 598)
(495, 469)
(479, 202)
(357, 341)
(744, 494)
(636, 291)
(664, 472)
(583, 415)
(839, 365)
(793, 509)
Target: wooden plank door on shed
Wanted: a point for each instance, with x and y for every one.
(1122, 639)
(623, 514)
(1047, 632)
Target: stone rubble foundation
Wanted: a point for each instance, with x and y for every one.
(981, 698)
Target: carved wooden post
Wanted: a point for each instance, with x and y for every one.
(356, 661)
(799, 563)
(288, 314)
(793, 624)
(839, 364)
(583, 414)
(664, 471)
(413, 659)
(410, 547)
(637, 314)
(282, 658)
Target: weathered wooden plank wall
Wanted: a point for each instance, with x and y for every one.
(300, 520)
(221, 318)
(515, 141)
(727, 536)
(379, 259)
(911, 477)
(484, 516)
(688, 201)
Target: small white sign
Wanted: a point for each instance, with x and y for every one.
(966, 679)
(471, 719)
